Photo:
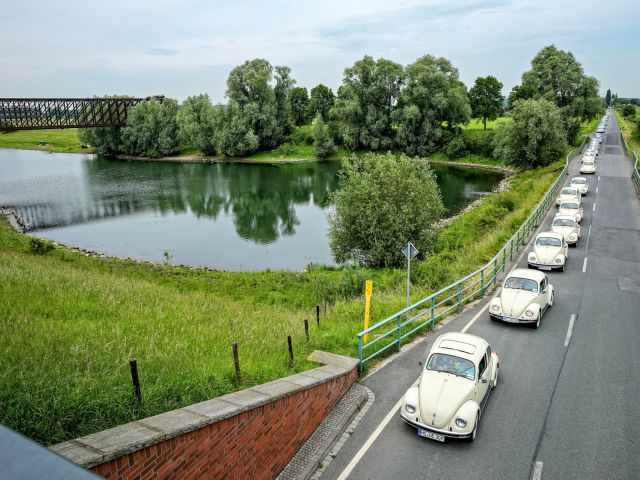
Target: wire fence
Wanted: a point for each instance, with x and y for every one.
(389, 333)
(635, 175)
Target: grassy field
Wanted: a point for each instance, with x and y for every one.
(61, 140)
(476, 123)
(71, 322)
(631, 130)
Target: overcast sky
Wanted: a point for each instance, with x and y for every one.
(139, 47)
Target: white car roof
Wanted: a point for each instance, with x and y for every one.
(459, 344)
(560, 216)
(550, 234)
(579, 178)
(536, 275)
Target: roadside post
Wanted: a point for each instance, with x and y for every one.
(368, 291)
(409, 252)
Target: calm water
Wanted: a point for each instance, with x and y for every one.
(227, 216)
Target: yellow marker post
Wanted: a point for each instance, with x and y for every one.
(368, 291)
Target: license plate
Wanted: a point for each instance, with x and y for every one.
(433, 436)
(510, 319)
(544, 268)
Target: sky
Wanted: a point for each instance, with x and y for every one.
(68, 48)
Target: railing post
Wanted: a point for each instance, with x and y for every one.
(482, 282)
(511, 250)
(504, 259)
(433, 311)
(400, 331)
(459, 296)
(360, 353)
(495, 271)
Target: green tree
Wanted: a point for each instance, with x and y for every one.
(197, 123)
(251, 114)
(536, 135)
(365, 103)
(383, 202)
(433, 95)
(607, 98)
(299, 104)
(322, 141)
(486, 98)
(282, 93)
(152, 129)
(105, 140)
(629, 110)
(321, 101)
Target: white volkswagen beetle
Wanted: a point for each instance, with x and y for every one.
(453, 388)
(589, 157)
(588, 166)
(566, 194)
(581, 184)
(525, 296)
(567, 226)
(571, 207)
(549, 251)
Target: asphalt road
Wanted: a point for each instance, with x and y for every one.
(567, 404)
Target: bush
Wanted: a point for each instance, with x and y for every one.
(39, 246)
(302, 135)
(384, 201)
(152, 129)
(479, 142)
(456, 148)
(321, 139)
(629, 111)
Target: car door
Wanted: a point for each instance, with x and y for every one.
(542, 298)
(484, 372)
(565, 248)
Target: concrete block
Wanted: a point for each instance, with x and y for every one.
(122, 440)
(277, 388)
(215, 409)
(77, 453)
(246, 398)
(327, 358)
(176, 422)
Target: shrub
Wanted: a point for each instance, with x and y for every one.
(629, 110)
(39, 246)
(384, 201)
(302, 135)
(479, 142)
(321, 139)
(456, 148)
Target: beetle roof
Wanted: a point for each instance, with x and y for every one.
(536, 275)
(550, 234)
(462, 345)
(560, 216)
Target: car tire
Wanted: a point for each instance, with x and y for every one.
(537, 324)
(495, 380)
(562, 268)
(553, 297)
(474, 432)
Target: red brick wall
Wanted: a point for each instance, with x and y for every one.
(255, 444)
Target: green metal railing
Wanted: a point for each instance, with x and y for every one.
(389, 333)
(635, 175)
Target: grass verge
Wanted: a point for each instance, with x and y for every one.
(60, 140)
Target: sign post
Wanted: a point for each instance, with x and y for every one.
(409, 252)
(368, 291)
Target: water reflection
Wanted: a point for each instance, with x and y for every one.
(230, 216)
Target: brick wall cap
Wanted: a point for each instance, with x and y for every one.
(327, 358)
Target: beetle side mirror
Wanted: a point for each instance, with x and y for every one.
(484, 380)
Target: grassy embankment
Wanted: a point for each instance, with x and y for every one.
(630, 127)
(70, 322)
(59, 140)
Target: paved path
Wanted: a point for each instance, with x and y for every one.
(567, 403)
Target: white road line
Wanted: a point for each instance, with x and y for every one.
(597, 189)
(473, 320)
(594, 206)
(537, 471)
(584, 265)
(598, 177)
(570, 330)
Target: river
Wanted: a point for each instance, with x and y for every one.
(225, 216)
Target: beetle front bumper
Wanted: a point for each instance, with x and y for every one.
(546, 266)
(446, 433)
(507, 319)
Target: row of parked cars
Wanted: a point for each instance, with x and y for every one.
(462, 369)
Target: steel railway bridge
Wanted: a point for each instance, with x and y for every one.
(43, 113)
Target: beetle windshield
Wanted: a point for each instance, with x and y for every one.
(548, 242)
(587, 164)
(569, 191)
(570, 206)
(578, 181)
(563, 222)
(521, 284)
(462, 367)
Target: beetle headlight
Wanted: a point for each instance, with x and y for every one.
(529, 313)
(461, 422)
(495, 308)
(410, 408)
(573, 236)
(558, 260)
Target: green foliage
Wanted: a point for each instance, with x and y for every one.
(321, 101)
(479, 142)
(629, 111)
(251, 119)
(321, 139)
(302, 135)
(433, 95)
(65, 140)
(535, 136)
(39, 246)
(607, 98)
(152, 129)
(282, 93)
(456, 147)
(384, 201)
(299, 100)
(198, 123)
(365, 103)
(105, 141)
(486, 98)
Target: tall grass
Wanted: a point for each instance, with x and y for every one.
(60, 140)
(70, 323)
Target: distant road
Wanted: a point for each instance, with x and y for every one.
(568, 402)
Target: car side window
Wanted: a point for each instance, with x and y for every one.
(543, 285)
(482, 367)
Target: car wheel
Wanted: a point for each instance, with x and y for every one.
(475, 429)
(551, 300)
(537, 324)
(495, 380)
(562, 270)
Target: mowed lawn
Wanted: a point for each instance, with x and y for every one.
(59, 140)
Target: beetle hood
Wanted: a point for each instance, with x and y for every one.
(515, 300)
(546, 254)
(564, 231)
(441, 395)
